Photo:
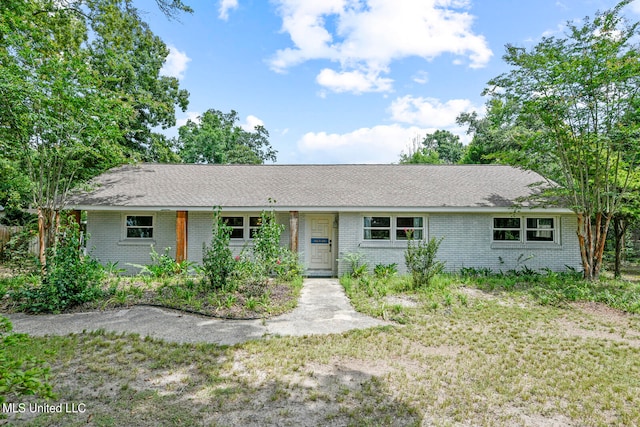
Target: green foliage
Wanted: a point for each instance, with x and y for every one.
(385, 271)
(357, 265)
(70, 277)
(163, 265)
(267, 251)
(420, 259)
(217, 138)
(217, 260)
(438, 147)
(20, 374)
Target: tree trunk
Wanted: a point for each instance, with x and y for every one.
(48, 225)
(619, 230)
(592, 238)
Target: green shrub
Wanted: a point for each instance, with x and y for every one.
(70, 277)
(20, 375)
(420, 258)
(267, 251)
(163, 265)
(356, 264)
(217, 260)
(385, 271)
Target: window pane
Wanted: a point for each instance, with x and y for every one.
(540, 235)
(140, 233)
(377, 221)
(233, 221)
(373, 234)
(539, 222)
(409, 222)
(506, 222)
(506, 235)
(255, 221)
(139, 221)
(402, 234)
(237, 233)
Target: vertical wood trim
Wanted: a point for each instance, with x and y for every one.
(182, 218)
(293, 231)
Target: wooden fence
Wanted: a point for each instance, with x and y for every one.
(7, 232)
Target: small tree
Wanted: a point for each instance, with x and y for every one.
(421, 261)
(217, 259)
(266, 243)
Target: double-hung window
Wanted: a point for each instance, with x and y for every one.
(393, 227)
(540, 229)
(524, 229)
(138, 226)
(377, 228)
(243, 227)
(237, 226)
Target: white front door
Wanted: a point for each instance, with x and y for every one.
(319, 243)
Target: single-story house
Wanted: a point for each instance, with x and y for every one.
(330, 211)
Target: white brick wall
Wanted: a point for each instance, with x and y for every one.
(466, 243)
(106, 241)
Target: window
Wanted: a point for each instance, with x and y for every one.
(254, 224)
(516, 229)
(506, 229)
(540, 229)
(409, 224)
(377, 228)
(393, 228)
(237, 226)
(139, 226)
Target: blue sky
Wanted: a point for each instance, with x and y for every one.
(351, 81)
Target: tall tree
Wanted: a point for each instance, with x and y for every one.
(63, 120)
(217, 138)
(439, 147)
(583, 91)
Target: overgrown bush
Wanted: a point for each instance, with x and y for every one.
(20, 375)
(420, 258)
(267, 252)
(163, 265)
(357, 264)
(70, 277)
(217, 259)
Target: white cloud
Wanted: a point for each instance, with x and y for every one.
(175, 64)
(421, 77)
(379, 144)
(225, 7)
(353, 81)
(430, 112)
(250, 123)
(365, 36)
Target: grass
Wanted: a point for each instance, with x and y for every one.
(472, 351)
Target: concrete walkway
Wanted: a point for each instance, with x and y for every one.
(323, 308)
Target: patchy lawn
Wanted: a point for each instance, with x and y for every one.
(462, 353)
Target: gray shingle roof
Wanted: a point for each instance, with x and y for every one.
(307, 187)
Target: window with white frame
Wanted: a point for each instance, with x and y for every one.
(377, 228)
(540, 230)
(506, 229)
(524, 229)
(393, 227)
(138, 226)
(243, 227)
(237, 226)
(409, 225)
